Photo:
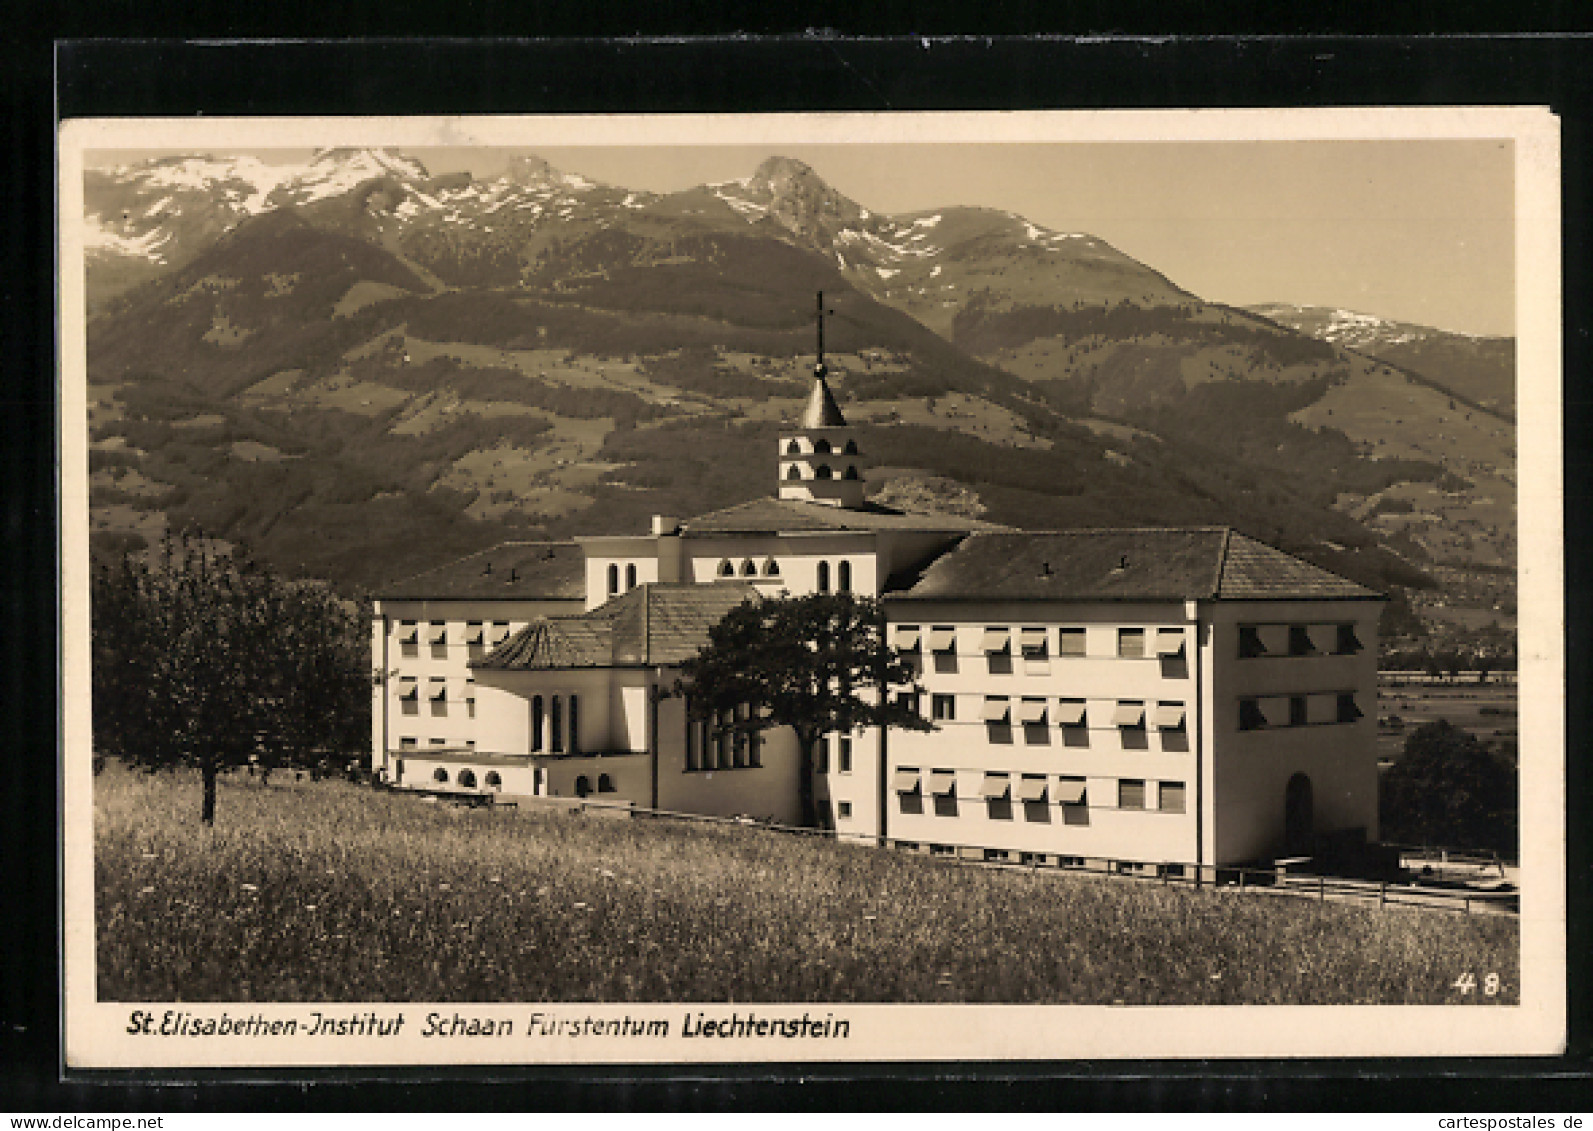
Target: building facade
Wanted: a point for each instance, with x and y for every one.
(1167, 696)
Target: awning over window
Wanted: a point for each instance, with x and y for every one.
(408, 632)
(437, 688)
(1033, 640)
(1345, 640)
(907, 637)
(1324, 638)
(997, 787)
(1275, 711)
(997, 710)
(497, 634)
(473, 633)
(408, 687)
(1070, 713)
(996, 640)
(1129, 715)
(1070, 791)
(1169, 716)
(906, 781)
(1031, 788)
(1031, 711)
(1322, 708)
(942, 639)
(942, 782)
(436, 633)
(1169, 642)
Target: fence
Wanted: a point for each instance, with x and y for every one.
(1281, 880)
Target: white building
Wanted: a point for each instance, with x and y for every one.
(1177, 697)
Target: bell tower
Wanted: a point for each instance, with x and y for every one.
(820, 461)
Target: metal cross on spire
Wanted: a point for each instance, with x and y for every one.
(819, 318)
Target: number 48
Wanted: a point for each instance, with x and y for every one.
(1467, 983)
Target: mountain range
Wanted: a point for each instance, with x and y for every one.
(360, 369)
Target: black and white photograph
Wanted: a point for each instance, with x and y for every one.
(812, 587)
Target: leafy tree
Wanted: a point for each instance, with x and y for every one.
(204, 660)
(1450, 788)
(816, 664)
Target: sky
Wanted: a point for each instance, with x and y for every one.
(1414, 230)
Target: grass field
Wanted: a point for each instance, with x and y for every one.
(336, 892)
(1488, 711)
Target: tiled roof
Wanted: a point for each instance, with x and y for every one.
(525, 571)
(764, 516)
(654, 623)
(1157, 564)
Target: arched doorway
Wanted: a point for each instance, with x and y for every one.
(1299, 817)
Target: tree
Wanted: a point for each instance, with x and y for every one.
(204, 660)
(1450, 788)
(816, 664)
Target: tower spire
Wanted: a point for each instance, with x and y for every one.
(818, 368)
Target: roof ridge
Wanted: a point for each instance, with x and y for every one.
(478, 553)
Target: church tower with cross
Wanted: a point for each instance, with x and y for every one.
(819, 461)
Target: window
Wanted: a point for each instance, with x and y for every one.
(771, 568)
(850, 449)
(467, 778)
(1250, 644)
(1170, 797)
(1169, 642)
(793, 473)
(997, 640)
(908, 638)
(1169, 716)
(1129, 713)
(1070, 791)
(583, 784)
(494, 780)
(754, 749)
(793, 449)
(613, 579)
(1072, 642)
(470, 697)
(851, 472)
(1070, 713)
(943, 638)
(748, 568)
(407, 743)
(726, 569)
(1297, 710)
(556, 723)
(907, 780)
(630, 577)
(824, 577)
(1300, 640)
(942, 783)
(998, 709)
(943, 708)
(1131, 643)
(843, 810)
(1035, 643)
(437, 634)
(1130, 794)
(996, 787)
(1250, 716)
(575, 724)
(823, 472)
(843, 577)
(439, 775)
(1324, 638)
(1349, 711)
(605, 784)
(473, 636)
(439, 742)
(821, 447)
(437, 692)
(821, 757)
(536, 723)
(408, 687)
(1032, 788)
(1347, 642)
(1031, 711)
(843, 754)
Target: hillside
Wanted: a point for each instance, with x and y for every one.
(372, 369)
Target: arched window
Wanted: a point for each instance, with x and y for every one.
(794, 472)
(843, 577)
(494, 780)
(536, 723)
(575, 724)
(793, 449)
(605, 784)
(583, 786)
(824, 577)
(630, 577)
(748, 569)
(850, 449)
(440, 775)
(556, 723)
(613, 580)
(822, 447)
(851, 472)
(726, 569)
(771, 568)
(823, 472)
(467, 778)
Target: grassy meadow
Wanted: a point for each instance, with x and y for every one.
(329, 891)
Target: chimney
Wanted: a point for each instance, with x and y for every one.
(664, 524)
(671, 549)
(488, 569)
(514, 575)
